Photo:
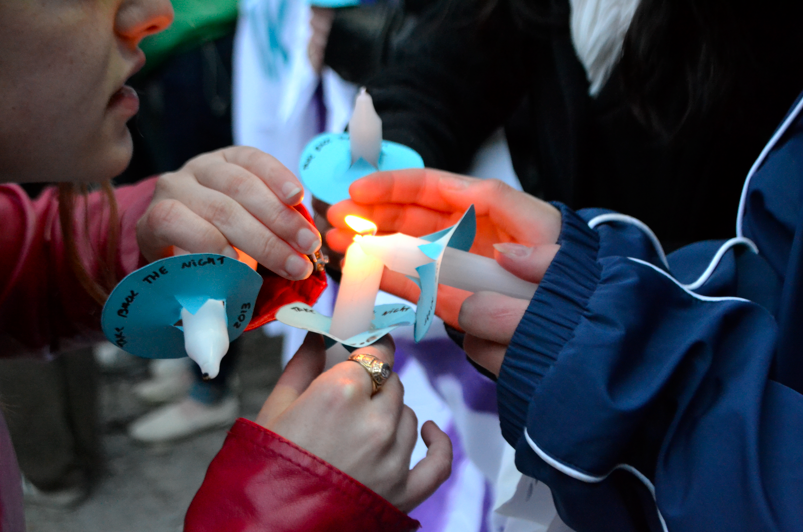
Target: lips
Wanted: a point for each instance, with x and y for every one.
(125, 99)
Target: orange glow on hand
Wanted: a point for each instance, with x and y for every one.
(242, 257)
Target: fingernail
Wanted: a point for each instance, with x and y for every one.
(297, 267)
(290, 190)
(513, 250)
(229, 252)
(307, 241)
(452, 183)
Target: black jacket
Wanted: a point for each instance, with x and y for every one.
(449, 83)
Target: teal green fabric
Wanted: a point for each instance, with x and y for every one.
(196, 22)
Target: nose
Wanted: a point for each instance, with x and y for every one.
(136, 19)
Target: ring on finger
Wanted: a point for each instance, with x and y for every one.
(378, 371)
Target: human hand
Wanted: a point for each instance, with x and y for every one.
(236, 196)
(490, 319)
(321, 24)
(368, 437)
(421, 201)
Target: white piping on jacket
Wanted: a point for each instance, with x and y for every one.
(761, 157)
(589, 479)
(616, 217)
(712, 265)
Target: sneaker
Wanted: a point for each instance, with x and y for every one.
(61, 498)
(171, 381)
(112, 359)
(183, 419)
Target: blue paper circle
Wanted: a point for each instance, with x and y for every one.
(141, 312)
(326, 168)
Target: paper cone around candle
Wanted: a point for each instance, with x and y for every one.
(143, 310)
(386, 319)
(326, 168)
(459, 236)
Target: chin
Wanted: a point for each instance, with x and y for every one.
(112, 162)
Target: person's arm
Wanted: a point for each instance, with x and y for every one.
(454, 81)
(326, 453)
(613, 373)
(620, 385)
(233, 197)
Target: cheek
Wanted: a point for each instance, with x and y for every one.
(63, 150)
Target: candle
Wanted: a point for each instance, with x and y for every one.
(206, 337)
(365, 130)
(359, 285)
(459, 269)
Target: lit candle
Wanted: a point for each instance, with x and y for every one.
(459, 269)
(365, 130)
(359, 285)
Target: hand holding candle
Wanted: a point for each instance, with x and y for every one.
(417, 202)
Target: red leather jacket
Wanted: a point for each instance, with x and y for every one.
(261, 481)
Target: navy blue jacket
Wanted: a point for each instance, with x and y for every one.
(655, 393)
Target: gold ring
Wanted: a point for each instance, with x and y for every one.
(378, 371)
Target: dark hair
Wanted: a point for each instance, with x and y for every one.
(680, 60)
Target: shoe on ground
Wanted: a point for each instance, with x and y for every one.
(60, 498)
(171, 381)
(184, 419)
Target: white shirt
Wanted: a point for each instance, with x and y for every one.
(598, 32)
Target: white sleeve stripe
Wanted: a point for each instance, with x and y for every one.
(712, 265)
(761, 157)
(616, 217)
(584, 477)
(693, 294)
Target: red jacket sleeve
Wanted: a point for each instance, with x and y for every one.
(261, 481)
(44, 308)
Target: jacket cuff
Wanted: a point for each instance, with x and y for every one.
(261, 481)
(549, 322)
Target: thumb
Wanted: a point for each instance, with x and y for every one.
(303, 368)
(432, 471)
(528, 263)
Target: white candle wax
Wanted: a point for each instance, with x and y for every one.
(459, 269)
(365, 130)
(359, 285)
(206, 336)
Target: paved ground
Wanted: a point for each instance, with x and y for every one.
(149, 488)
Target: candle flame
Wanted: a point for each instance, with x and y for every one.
(361, 225)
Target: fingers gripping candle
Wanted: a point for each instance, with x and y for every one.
(460, 269)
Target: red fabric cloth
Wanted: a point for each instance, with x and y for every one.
(261, 481)
(277, 291)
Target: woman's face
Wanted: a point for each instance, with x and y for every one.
(63, 99)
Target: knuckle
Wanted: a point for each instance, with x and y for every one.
(495, 186)
(270, 250)
(162, 214)
(411, 413)
(219, 213)
(238, 183)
